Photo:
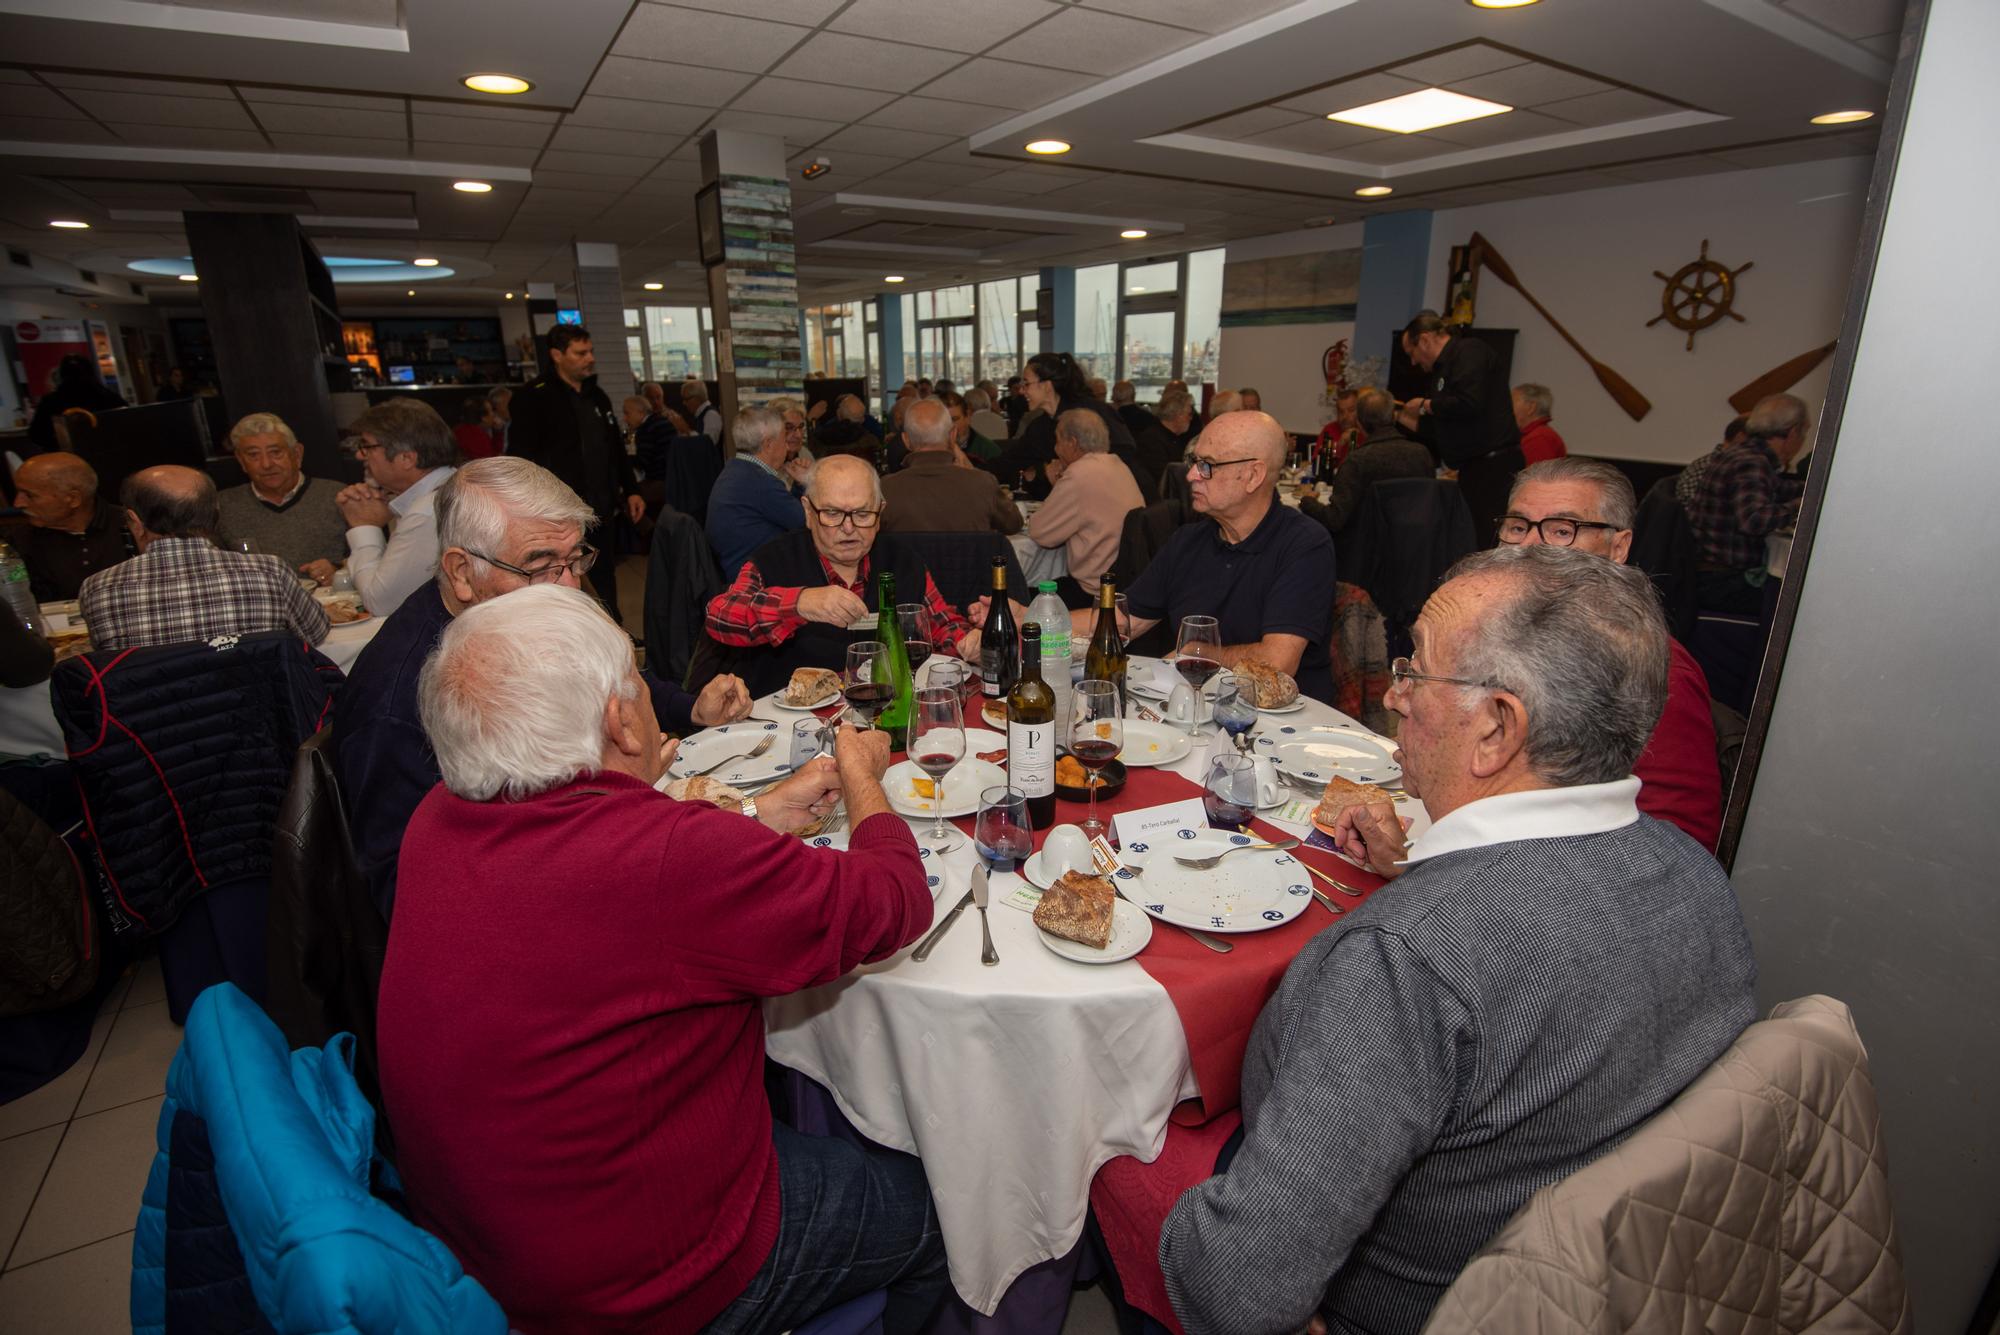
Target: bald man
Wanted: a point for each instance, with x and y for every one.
(938, 490)
(70, 534)
(181, 588)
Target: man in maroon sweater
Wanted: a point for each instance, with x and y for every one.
(570, 1029)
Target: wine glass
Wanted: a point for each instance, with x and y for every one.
(1197, 657)
(954, 673)
(1234, 710)
(1229, 794)
(1001, 833)
(866, 681)
(1096, 736)
(915, 619)
(937, 742)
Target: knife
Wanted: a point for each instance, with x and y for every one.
(923, 952)
(987, 954)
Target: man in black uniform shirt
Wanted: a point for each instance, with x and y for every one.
(1467, 419)
(564, 423)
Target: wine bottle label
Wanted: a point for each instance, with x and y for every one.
(1031, 758)
(990, 671)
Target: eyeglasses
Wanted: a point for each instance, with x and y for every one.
(580, 564)
(1556, 532)
(1402, 673)
(1205, 468)
(835, 518)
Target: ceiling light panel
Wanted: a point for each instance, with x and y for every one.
(1426, 110)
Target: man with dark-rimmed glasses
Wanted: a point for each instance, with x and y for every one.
(504, 523)
(794, 600)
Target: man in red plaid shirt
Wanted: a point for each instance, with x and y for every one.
(793, 601)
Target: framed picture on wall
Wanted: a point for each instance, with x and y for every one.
(708, 223)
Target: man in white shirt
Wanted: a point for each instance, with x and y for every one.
(392, 540)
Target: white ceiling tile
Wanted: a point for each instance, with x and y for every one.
(1350, 93)
(823, 101)
(624, 113)
(718, 41)
(140, 108)
(487, 110)
(660, 81)
(343, 146)
(889, 142)
(471, 130)
(1022, 182)
(190, 136)
(334, 120)
(1095, 42)
(930, 113)
(1607, 108)
(1315, 136)
(1243, 124)
(955, 25)
(1396, 148)
(112, 83)
(18, 76)
(833, 57)
(40, 129)
(1461, 62)
(1007, 83)
(1529, 85)
(1851, 18)
(797, 131)
(311, 97)
(808, 12)
(593, 139)
(848, 168)
(19, 100)
(1207, 15)
(598, 164)
(1488, 131)
(487, 154)
(676, 170)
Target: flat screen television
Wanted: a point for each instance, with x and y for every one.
(402, 375)
(569, 316)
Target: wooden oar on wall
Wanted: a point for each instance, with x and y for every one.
(1779, 378)
(1635, 404)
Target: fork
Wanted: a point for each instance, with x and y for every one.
(751, 754)
(1203, 864)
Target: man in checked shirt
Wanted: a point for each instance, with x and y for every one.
(795, 598)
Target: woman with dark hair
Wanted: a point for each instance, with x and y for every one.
(1053, 383)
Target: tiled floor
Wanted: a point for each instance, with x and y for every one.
(73, 1159)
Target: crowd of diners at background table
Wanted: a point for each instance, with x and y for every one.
(497, 745)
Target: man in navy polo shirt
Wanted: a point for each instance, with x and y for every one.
(1261, 569)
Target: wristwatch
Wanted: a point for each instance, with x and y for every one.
(750, 807)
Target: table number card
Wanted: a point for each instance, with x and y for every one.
(1151, 822)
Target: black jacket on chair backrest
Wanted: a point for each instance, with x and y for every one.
(1663, 545)
(1408, 532)
(182, 754)
(681, 576)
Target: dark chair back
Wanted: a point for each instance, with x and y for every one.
(961, 564)
(1407, 533)
(327, 939)
(691, 466)
(1146, 531)
(681, 577)
(1663, 546)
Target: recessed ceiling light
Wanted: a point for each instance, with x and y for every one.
(188, 277)
(1135, 234)
(472, 187)
(496, 83)
(1502, 4)
(892, 278)
(411, 293)
(654, 287)
(1375, 191)
(1048, 147)
(69, 224)
(1423, 110)
(1830, 118)
(510, 296)
(425, 263)
(1135, 289)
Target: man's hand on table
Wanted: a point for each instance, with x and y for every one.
(1373, 835)
(319, 572)
(832, 606)
(724, 700)
(863, 757)
(805, 796)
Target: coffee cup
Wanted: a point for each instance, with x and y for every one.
(1270, 788)
(1066, 849)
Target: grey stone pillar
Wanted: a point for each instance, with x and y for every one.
(753, 288)
(600, 295)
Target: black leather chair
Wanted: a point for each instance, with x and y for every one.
(961, 564)
(1663, 546)
(1407, 533)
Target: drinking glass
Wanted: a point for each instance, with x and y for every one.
(866, 680)
(1096, 736)
(937, 742)
(1121, 608)
(953, 672)
(1001, 834)
(1235, 711)
(1196, 658)
(915, 619)
(1229, 794)
(808, 737)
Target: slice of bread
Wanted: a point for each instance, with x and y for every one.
(1078, 907)
(812, 686)
(1268, 688)
(1341, 794)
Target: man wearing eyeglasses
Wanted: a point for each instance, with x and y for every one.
(505, 524)
(792, 603)
(392, 547)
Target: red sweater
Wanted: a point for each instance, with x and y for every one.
(572, 1043)
(1539, 441)
(1680, 780)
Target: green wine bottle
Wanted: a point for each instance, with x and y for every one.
(902, 707)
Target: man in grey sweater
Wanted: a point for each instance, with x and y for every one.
(281, 510)
(1549, 969)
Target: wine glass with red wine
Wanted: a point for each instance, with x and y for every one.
(937, 742)
(1002, 835)
(1197, 656)
(915, 619)
(1096, 736)
(866, 682)
(1229, 792)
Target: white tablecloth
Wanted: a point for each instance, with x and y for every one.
(1015, 1083)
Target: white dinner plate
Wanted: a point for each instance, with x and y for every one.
(1038, 873)
(933, 866)
(962, 786)
(1130, 931)
(1298, 703)
(1315, 755)
(702, 749)
(777, 699)
(1153, 743)
(1251, 892)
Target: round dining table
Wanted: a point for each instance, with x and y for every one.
(1014, 1083)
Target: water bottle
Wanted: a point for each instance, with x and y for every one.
(14, 587)
(1049, 612)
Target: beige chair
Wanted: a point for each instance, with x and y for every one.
(1757, 1203)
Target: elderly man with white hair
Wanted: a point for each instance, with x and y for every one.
(280, 509)
(571, 1030)
(504, 523)
(756, 499)
(791, 604)
(1549, 970)
(938, 490)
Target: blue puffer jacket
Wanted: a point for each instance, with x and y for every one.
(258, 1215)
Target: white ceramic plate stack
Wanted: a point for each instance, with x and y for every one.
(1250, 892)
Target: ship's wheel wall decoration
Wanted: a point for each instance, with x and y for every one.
(1698, 294)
